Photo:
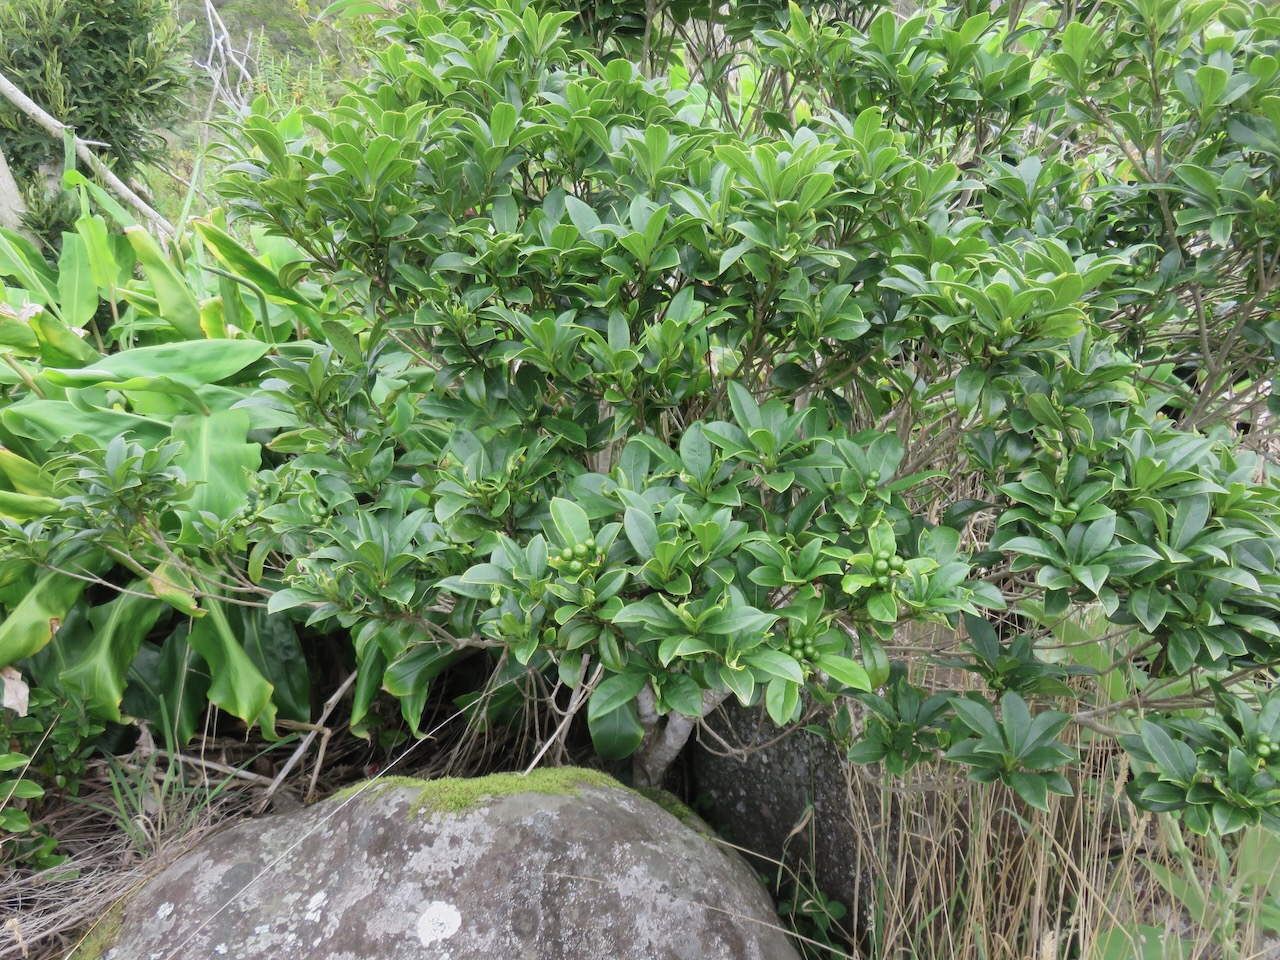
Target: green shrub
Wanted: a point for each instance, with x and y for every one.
(714, 371)
(112, 69)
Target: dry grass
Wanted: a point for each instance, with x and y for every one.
(112, 847)
(964, 871)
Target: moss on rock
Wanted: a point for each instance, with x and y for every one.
(671, 804)
(455, 795)
(101, 936)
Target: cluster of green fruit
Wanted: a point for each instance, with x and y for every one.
(578, 557)
(886, 565)
(799, 648)
(1066, 514)
(1264, 749)
(1141, 266)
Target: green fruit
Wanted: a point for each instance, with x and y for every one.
(882, 581)
(566, 553)
(1057, 518)
(1074, 506)
(590, 543)
(881, 566)
(874, 476)
(576, 567)
(1264, 738)
(883, 555)
(580, 551)
(1263, 750)
(896, 563)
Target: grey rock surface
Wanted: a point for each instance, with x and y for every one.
(565, 865)
(763, 803)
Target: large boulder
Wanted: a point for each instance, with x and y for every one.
(788, 799)
(558, 865)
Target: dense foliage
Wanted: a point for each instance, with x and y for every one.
(692, 360)
(113, 70)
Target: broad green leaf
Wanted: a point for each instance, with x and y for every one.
(641, 531)
(875, 660)
(193, 362)
(409, 676)
(97, 248)
(99, 665)
(36, 619)
(680, 692)
(844, 671)
(1031, 788)
(775, 664)
(978, 717)
(616, 734)
(167, 685)
(614, 691)
(25, 476)
(236, 685)
(21, 261)
(571, 521)
(219, 461)
(741, 682)
(781, 697)
(1175, 760)
(273, 645)
(242, 262)
(177, 303)
(47, 421)
(22, 507)
(738, 621)
(60, 346)
(77, 290)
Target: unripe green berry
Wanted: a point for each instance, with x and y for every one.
(575, 566)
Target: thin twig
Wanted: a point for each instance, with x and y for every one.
(307, 740)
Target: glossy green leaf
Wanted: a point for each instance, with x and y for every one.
(36, 619)
(616, 734)
(219, 461)
(99, 665)
(177, 304)
(236, 684)
(77, 289)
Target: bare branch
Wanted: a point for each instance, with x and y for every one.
(95, 163)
